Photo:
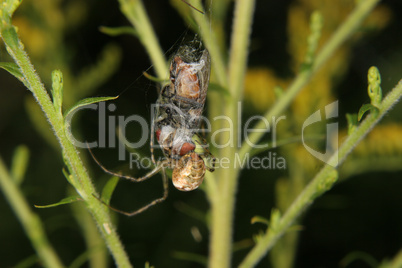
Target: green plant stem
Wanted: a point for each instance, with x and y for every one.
(239, 47)
(223, 201)
(321, 182)
(337, 39)
(135, 12)
(79, 177)
(30, 221)
(396, 262)
(98, 255)
(211, 42)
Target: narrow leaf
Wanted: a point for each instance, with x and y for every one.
(88, 101)
(108, 189)
(9, 34)
(28, 262)
(19, 164)
(64, 201)
(11, 6)
(115, 31)
(13, 69)
(242, 244)
(295, 228)
(275, 218)
(364, 109)
(259, 219)
(67, 175)
(187, 256)
(147, 265)
(352, 122)
(154, 79)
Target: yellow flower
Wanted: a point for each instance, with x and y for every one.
(382, 140)
(260, 86)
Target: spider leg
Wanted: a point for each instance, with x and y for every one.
(156, 201)
(158, 167)
(152, 143)
(193, 7)
(203, 142)
(213, 159)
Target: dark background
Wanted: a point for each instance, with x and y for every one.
(367, 217)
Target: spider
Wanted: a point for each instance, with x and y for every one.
(176, 121)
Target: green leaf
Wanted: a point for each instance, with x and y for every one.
(258, 237)
(19, 163)
(115, 31)
(242, 244)
(108, 189)
(64, 201)
(11, 6)
(352, 122)
(28, 262)
(68, 175)
(259, 219)
(295, 228)
(187, 256)
(9, 35)
(365, 108)
(147, 265)
(13, 69)
(88, 101)
(275, 218)
(155, 79)
(364, 257)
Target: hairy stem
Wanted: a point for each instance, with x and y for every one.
(223, 202)
(79, 177)
(322, 182)
(211, 42)
(30, 221)
(338, 38)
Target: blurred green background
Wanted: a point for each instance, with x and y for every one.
(363, 212)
